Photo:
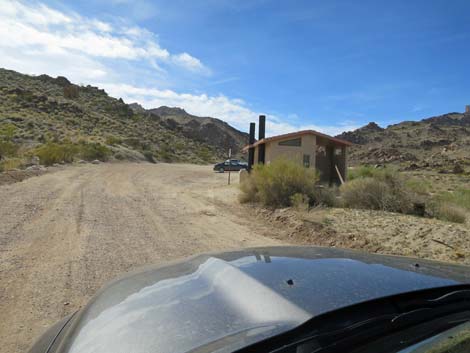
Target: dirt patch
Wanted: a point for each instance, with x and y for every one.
(64, 234)
(15, 176)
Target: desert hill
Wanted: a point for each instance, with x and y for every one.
(52, 115)
(439, 143)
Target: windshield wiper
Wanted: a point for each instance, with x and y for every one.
(350, 326)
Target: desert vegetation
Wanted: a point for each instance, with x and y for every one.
(59, 122)
(286, 184)
(283, 184)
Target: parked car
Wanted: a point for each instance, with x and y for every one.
(230, 165)
(279, 299)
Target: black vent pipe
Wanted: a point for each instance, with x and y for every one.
(261, 135)
(262, 127)
(251, 150)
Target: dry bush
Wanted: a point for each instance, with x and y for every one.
(9, 164)
(275, 184)
(385, 190)
(300, 202)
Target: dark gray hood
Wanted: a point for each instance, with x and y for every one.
(222, 302)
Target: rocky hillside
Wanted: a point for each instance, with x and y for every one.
(439, 143)
(41, 114)
(208, 130)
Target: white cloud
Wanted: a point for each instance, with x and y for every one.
(37, 39)
(188, 61)
(233, 111)
(25, 26)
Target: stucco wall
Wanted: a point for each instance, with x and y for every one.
(296, 153)
(324, 162)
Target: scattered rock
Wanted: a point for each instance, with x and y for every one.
(96, 162)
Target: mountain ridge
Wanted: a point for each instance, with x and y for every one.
(43, 110)
(439, 142)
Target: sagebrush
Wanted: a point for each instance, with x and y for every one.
(281, 184)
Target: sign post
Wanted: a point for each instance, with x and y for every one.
(229, 164)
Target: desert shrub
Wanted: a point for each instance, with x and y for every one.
(66, 152)
(120, 156)
(449, 212)
(300, 202)
(52, 152)
(7, 131)
(385, 190)
(7, 149)
(275, 184)
(248, 190)
(325, 196)
(205, 154)
(418, 185)
(92, 150)
(149, 157)
(364, 171)
(113, 140)
(460, 197)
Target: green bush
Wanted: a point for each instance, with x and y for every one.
(52, 152)
(8, 149)
(460, 197)
(91, 151)
(363, 171)
(7, 131)
(275, 184)
(385, 190)
(419, 186)
(66, 152)
(113, 140)
(149, 157)
(205, 154)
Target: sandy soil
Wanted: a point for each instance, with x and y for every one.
(64, 234)
(374, 232)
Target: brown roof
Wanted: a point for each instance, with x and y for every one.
(296, 134)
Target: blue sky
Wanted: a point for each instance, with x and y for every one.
(327, 65)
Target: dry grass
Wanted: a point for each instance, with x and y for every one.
(449, 212)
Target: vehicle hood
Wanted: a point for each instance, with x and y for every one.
(222, 302)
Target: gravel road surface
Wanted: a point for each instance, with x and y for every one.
(66, 233)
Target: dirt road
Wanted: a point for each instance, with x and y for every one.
(64, 234)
